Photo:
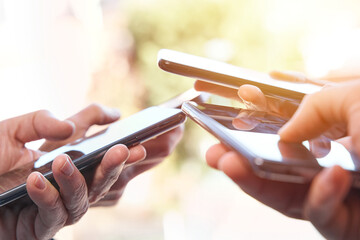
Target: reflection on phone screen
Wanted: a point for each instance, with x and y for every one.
(256, 131)
(243, 119)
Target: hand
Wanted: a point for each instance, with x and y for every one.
(328, 202)
(254, 99)
(157, 149)
(51, 209)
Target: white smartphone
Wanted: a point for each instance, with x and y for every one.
(231, 76)
(253, 135)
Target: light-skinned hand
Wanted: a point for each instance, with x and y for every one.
(328, 202)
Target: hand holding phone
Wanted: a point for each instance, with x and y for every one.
(89, 151)
(268, 156)
(278, 92)
(327, 200)
(53, 209)
(59, 208)
(286, 185)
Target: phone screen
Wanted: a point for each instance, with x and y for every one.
(253, 135)
(88, 151)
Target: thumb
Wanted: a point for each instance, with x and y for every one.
(38, 125)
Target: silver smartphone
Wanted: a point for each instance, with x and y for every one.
(231, 76)
(252, 134)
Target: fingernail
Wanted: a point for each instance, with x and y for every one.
(40, 182)
(67, 169)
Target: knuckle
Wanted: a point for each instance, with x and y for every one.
(97, 112)
(55, 207)
(40, 114)
(311, 100)
(53, 203)
(117, 195)
(96, 196)
(110, 175)
(43, 112)
(96, 108)
(113, 196)
(76, 214)
(80, 190)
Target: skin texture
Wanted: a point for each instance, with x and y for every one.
(47, 210)
(328, 202)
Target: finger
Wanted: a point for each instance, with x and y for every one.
(52, 214)
(94, 114)
(163, 145)
(325, 207)
(337, 131)
(247, 120)
(108, 171)
(156, 150)
(236, 167)
(128, 173)
(243, 124)
(214, 153)
(286, 198)
(137, 153)
(253, 97)
(298, 77)
(38, 125)
(320, 147)
(73, 189)
(320, 111)
(110, 199)
(216, 89)
(91, 115)
(289, 76)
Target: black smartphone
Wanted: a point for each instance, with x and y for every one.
(253, 135)
(231, 76)
(89, 151)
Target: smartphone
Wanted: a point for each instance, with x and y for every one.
(269, 157)
(89, 151)
(231, 76)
